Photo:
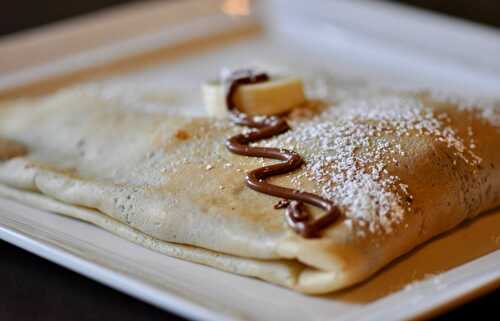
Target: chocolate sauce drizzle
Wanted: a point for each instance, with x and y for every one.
(296, 215)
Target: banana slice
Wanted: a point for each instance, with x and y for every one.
(272, 97)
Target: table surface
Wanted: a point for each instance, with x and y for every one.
(35, 289)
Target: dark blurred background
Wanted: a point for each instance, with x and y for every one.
(35, 289)
(24, 14)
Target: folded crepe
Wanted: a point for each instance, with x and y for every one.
(403, 167)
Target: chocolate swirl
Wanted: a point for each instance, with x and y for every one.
(297, 216)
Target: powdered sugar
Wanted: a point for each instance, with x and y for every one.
(487, 109)
(348, 148)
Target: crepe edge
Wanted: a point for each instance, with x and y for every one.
(280, 272)
(21, 181)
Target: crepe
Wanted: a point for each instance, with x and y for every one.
(403, 167)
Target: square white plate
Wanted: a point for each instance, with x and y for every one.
(372, 40)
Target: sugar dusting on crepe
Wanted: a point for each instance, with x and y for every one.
(359, 181)
(487, 109)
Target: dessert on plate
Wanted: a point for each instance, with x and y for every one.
(309, 193)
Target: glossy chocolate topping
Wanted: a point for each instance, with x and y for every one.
(297, 216)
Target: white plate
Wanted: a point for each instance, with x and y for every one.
(451, 269)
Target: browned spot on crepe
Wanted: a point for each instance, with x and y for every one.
(182, 135)
(10, 149)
